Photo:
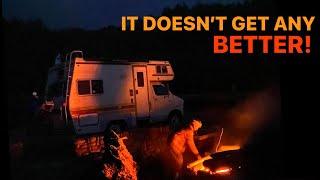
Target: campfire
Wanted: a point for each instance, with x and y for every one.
(197, 166)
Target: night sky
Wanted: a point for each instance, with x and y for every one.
(88, 14)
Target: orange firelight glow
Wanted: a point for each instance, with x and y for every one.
(228, 148)
(222, 171)
(219, 171)
(203, 168)
(200, 167)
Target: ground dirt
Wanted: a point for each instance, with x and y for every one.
(52, 156)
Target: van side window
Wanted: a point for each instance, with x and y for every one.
(161, 89)
(97, 86)
(164, 70)
(161, 69)
(140, 79)
(158, 69)
(84, 87)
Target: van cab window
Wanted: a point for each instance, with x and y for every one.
(161, 89)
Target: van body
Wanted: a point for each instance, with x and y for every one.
(101, 94)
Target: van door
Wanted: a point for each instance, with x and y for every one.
(141, 91)
(161, 101)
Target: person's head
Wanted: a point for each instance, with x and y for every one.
(195, 124)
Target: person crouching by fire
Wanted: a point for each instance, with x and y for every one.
(179, 142)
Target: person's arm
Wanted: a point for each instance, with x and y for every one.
(191, 145)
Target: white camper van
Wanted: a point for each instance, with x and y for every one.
(113, 94)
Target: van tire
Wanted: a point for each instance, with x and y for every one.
(175, 120)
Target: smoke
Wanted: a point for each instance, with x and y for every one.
(251, 115)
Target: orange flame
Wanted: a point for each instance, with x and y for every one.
(228, 148)
(200, 167)
(222, 170)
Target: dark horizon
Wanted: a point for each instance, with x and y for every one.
(58, 15)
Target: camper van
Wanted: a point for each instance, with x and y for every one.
(98, 95)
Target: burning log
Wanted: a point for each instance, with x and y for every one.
(119, 162)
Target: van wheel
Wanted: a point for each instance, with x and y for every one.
(175, 120)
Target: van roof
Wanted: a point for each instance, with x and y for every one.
(120, 61)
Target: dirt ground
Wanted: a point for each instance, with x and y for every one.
(48, 156)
